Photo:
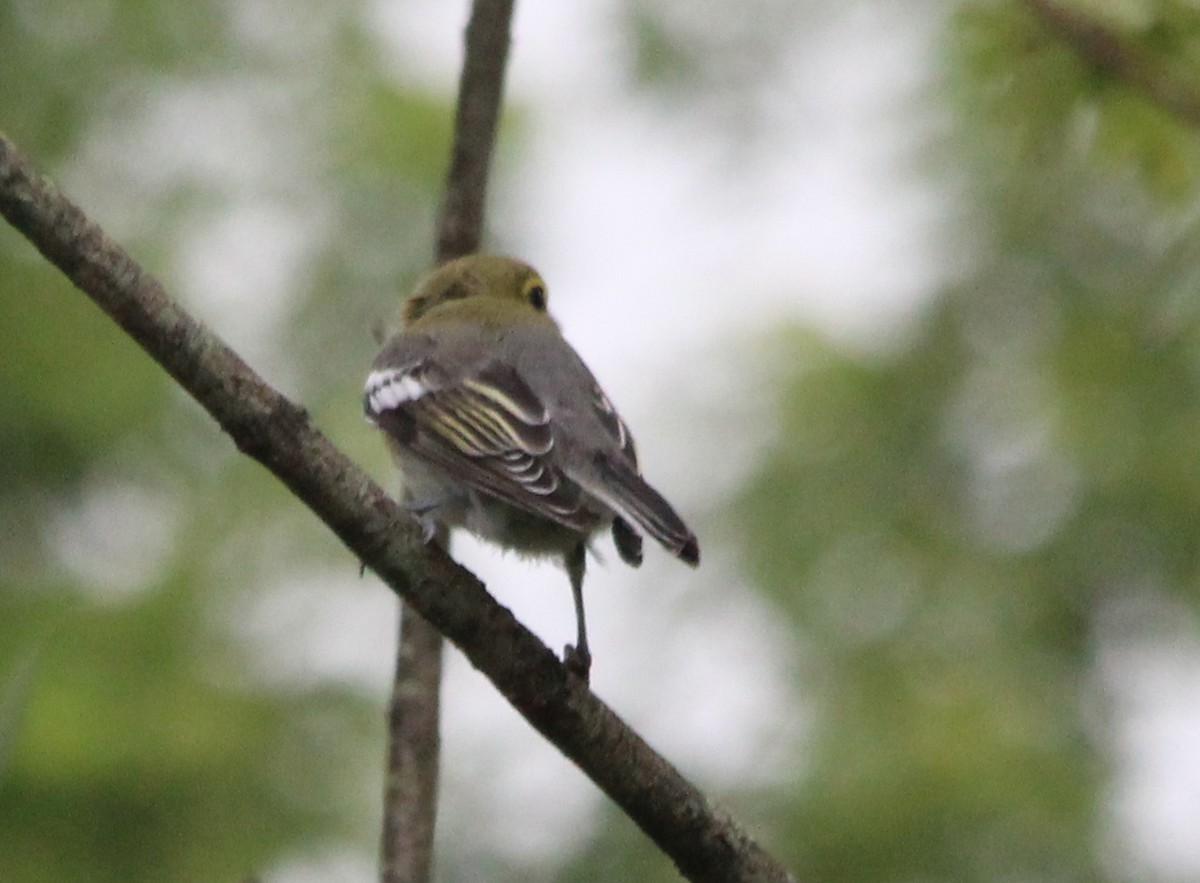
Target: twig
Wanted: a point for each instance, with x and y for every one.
(1122, 58)
(704, 842)
(410, 800)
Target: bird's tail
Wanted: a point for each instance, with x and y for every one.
(627, 492)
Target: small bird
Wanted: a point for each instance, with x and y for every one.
(499, 428)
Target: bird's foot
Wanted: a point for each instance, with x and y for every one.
(423, 512)
(577, 662)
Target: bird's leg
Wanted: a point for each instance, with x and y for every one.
(578, 659)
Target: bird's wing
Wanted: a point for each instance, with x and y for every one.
(612, 422)
(614, 478)
(627, 540)
(484, 427)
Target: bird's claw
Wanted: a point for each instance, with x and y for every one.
(423, 514)
(577, 662)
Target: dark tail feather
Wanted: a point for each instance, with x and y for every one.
(628, 542)
(629, 494)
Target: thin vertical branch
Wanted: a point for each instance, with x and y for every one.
(410, 801)
(480, 92)
(410, 798)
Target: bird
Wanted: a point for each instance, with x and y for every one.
(499, 428)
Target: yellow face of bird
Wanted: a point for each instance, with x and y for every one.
(480, 285)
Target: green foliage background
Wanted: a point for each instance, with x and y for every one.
(949, 530)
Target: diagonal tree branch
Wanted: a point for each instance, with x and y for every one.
(411, 791)
(705, 843)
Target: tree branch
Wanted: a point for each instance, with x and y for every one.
(1122, 58)
(704, 842)
(410, 799)
(480, 90)
(414, 746)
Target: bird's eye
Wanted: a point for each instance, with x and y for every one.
(454, 291)
(537, 296)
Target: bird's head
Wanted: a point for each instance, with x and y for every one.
(482, 285)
